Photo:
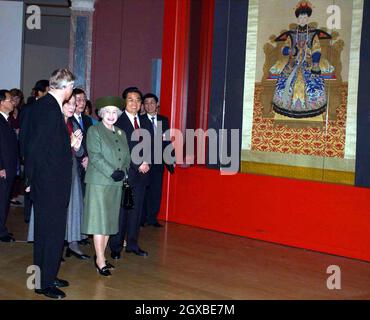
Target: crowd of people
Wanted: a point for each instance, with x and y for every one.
(74, 170)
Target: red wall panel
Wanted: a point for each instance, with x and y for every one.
(127, 36)
(105, 71)
(141, 42)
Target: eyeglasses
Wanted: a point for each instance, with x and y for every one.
(134, 100)
(81, 99)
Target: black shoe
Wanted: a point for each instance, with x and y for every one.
(51, 292)
(7, 238)
(157, 225)
(142, 225)
(138, 252)
(60, 283)
(62, 260)
(70, 252)
(103, 271)
(115, 255)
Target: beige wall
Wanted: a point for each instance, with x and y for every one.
(278, 14)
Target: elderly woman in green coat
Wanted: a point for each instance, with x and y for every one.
(109, 157)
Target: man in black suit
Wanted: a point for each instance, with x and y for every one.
(153, 194)
(48, 159)
(133, 125)
(84, 123)
(8, 162)
(40, 89)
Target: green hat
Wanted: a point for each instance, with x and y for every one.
(109, 101)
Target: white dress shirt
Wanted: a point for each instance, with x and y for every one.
(6, 116)
(77, 117)
(155, 119)
(131, 118)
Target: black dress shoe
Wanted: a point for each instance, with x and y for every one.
(115, 255)
(51, 292)
(70, 252)
(138, 252)
(157, 225)
(60, 283)
(7, 238)
(102, 271)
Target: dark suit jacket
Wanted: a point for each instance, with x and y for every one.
(124, 123)
(24, 122)
(8, 148)
(48, 158)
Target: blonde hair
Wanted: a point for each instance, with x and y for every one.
(61, 78)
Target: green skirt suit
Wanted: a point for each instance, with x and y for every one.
(108, 151)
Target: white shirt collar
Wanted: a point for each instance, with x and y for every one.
(6, 116)
(155, 118)
(150, 117)
(131, 118)
(57, 99)
(77, 116)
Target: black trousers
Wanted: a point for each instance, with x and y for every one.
(5, 192)
(129, 222)
(153, 195)
(50, 209)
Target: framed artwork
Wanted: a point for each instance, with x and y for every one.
(300, 89)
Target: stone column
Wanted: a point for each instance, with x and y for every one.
(80, 45)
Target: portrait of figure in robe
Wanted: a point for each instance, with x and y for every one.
(300, 88)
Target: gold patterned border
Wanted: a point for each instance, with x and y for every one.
(322, 175)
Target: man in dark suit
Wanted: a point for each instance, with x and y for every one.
(153, 194)
(40, 89)
(8, 162)
(84, 123)
(134, 125)
(48, 159)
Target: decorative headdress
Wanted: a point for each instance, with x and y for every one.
(303, 7)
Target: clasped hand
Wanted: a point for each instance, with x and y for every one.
(76, 139)
(3, 174)
(144, 168)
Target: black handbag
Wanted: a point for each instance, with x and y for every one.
(127, 201)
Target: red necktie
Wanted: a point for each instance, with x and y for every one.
(136, 125)
(137, 131)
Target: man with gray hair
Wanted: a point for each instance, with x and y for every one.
(49, 174)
